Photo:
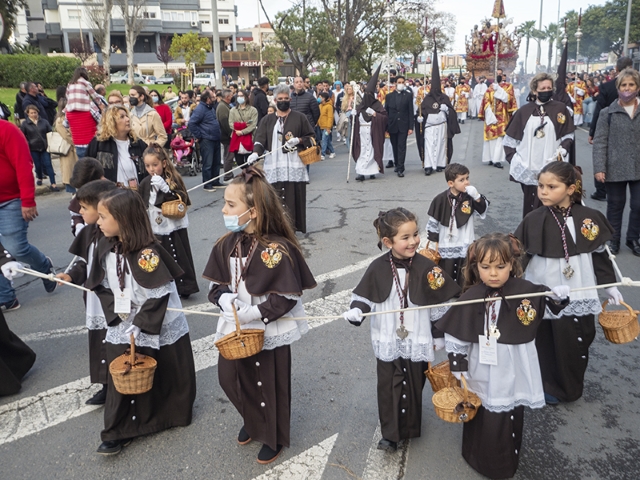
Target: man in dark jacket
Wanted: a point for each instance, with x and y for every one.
(399, 106)
(205, 128)
(18, 111)
(33, 97)
(304, 102)
(259, 97)
(607, 94)
(222, 113)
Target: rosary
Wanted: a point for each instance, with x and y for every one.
(454, 206)
(492, 327)
(539, 132)
(121, 275)
(401, 331)
(568, 270)
(238, 249)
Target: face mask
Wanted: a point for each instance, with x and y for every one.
(155, 99)
(133, 101)
(544, 97)
(232, 222)
(319, 99)
(400, 87)
(627, 96)
(240, 100)
(283, 105)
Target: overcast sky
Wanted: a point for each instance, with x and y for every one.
(474, 11)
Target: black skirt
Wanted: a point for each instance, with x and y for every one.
(400, 385)
(177, 244)
(260, 388)
(168, 404)
(491, 442)
(98, 364)
(563, 350)
(16, 359)
(453, 267)
(294, 198)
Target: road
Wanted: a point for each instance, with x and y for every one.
(46, 431)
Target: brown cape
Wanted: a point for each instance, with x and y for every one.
(278, 268)
(378, 129)
(440, 208)
(144, 189)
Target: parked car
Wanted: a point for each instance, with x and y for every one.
(165, 79)
(150, 79)
(123, 77)
(204, 79)
(173, 103)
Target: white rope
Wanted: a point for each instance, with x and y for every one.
(234, 168)
(625, 282)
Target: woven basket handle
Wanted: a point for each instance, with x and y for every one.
(235, 315)
(429, 369)
(428, 242)
(465, 389)
(132, 350)
(179, 197)
(631, 311)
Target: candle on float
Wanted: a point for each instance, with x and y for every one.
(580, 18)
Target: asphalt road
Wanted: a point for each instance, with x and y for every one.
(45, 431)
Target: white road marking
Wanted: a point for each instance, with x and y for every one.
(385, 466)
(308, 465)
(57, 405)
(60, 332)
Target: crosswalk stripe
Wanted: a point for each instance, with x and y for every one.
(382, 465)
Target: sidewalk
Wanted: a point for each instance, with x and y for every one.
(44, 188)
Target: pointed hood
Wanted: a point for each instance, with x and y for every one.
(369, 99)
(373, 81)
(561, 94)
(436, 84)
(474, 82)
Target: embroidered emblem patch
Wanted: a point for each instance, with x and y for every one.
(561, 118)
(149, 260)
(271, 256)
(288, 136)
(465, 207)
(158, 220)
(435, 278)
(435, 105)
(589, 229)
(526, 313)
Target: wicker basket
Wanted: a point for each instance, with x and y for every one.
(133, 372)
(311, 154)
(455, 404)
(432, 255)
(619, 326)
(440, 376)
(175, 208)
(241, 343)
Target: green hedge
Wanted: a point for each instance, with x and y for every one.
(51, 71)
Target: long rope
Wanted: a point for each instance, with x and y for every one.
(625, 282)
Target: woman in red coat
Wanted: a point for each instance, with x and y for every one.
(165, 113)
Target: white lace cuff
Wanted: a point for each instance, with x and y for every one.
(433, 225)
(358, 298)
(158, 292)
(454, 347)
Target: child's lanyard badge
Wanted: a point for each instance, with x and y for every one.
(489, 341)
(401, 331)
(453, 228)
(568, 270)
(121, 295)
(240, 273)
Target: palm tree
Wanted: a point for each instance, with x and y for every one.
(528, 31)
(551, 35)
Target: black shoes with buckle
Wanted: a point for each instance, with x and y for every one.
(113, 447)
(387, 445)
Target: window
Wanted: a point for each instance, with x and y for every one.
(149, 14)
(205, 19)
(74, 14)
(181, 16)
(223, 21)
(166, 16)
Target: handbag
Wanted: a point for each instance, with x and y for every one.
(174, 209)
(57, 145)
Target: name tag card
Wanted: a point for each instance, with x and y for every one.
(122, 300)
(488, 350)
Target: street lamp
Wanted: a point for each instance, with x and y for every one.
(425, 45)
(578, 37)
(388, 16)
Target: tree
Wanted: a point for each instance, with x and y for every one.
(134, 21)
(366, 56)
(78, 46)
(407, 40)
(273, 55)
(528, 31)
(163, 54)
(99, 16)
(304, 34)
(192, 48)
(25, 49)
(9, 10)
(551, 36)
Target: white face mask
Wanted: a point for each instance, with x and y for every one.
(400, 86)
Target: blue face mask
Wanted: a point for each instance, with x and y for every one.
(319, 99)
(232, 222)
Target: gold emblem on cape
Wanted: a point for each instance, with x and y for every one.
(271, 256)
(149, 260)
(435, 278)
(561, 118)
(465, 207)
(525, 312)
(589, 229)
(435, 105)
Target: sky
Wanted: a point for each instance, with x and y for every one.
(474, 12)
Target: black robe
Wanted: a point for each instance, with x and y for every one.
(177, 242)
(378, 129)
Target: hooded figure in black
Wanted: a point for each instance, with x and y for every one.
(440, 123)
(369, 127)
(561, 95)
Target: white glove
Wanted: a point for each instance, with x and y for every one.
(573, 100)
(560, 292)
(466, 95)
(562, 152)
(438, 343)
(253, 158)
(246, 313)
(420, 119)
(225, 301)
(353, 315)
(444, 108)
(133, 329)
(292, 142)
(457, 374)
(354, 112)
(9, 270)
(160, 183)
(472, 192)
(615, 297)
(495, 86)
(579, 92)
(370, 111)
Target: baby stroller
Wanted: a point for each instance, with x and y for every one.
(185, 153)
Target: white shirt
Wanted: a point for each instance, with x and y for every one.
(126, 167)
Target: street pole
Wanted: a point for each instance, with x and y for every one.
(578, 37)
(260, 40)
(387, 19)
(626, 30)
(558, 36)
(539, 41)
(217, 57)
